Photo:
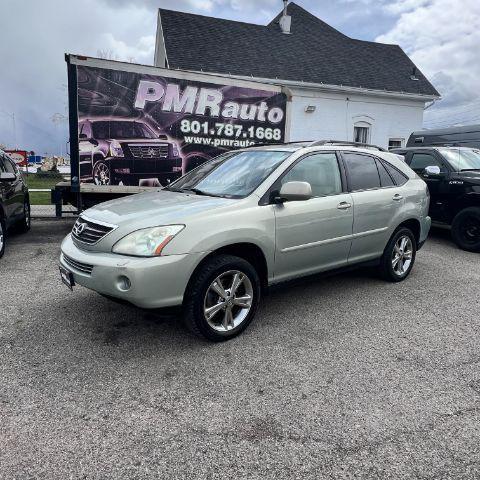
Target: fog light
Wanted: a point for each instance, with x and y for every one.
(123, 283)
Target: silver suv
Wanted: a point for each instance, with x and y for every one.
(216, 238)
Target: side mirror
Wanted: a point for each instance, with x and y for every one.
(7, 177)
(433, 170)
(295, 191)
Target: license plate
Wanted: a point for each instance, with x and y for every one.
(67, 277)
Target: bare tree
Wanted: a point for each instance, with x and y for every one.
(106, 54)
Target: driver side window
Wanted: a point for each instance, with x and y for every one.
(320, 170)
(420, 161)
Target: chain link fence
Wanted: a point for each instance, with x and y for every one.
(40, 186)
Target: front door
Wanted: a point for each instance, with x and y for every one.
(438, 185)
(315, 234)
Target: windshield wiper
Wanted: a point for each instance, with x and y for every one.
(201, 192)
(470, 169)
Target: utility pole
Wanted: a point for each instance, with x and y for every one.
(12, 116)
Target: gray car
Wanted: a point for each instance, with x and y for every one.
(216, 238)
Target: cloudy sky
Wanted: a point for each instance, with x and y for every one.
(441, 36)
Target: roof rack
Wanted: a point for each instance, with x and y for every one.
(318, 143)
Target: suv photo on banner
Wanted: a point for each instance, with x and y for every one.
(140, 129)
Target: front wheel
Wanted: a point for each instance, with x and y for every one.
(102, 174)
(222, 298)
(466, 229)
(399, 256)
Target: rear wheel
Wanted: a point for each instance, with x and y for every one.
(466, 229)
(3, 232)
(399, 256)
(222, 298)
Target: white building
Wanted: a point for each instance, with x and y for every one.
(340, 88)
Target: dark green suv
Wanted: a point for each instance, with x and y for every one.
(14, 201)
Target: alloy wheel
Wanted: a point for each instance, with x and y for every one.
(102, 174)
(26, 211)
(228, 301)
(402, 255)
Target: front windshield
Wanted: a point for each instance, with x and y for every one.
(104, 130)
(462, 159)
(233, 175)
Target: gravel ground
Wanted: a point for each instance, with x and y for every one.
(338, 377)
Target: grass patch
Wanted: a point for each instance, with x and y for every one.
(34, 180)
(41, 182)
(40, 198)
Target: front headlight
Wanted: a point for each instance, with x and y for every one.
(148, 242)
(116, 149)
(175, 150)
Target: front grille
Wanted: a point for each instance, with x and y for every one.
(149, 151)
(89, 232)
(81, 267)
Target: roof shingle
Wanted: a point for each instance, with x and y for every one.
(314, 52)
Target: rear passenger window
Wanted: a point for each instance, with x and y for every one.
(398, 177)
(362, 171)
(385, 179)
(9, 166)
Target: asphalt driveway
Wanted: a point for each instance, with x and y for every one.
(339, 377)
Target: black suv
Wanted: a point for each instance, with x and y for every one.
(453, 178)
(117, 151)
(14, 202)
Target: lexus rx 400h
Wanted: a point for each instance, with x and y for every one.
(216, 238)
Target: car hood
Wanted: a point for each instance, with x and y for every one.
(142, 141)
(472, 176)
(150, 209)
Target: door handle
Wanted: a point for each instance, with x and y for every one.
(344, 205)
(397, 197)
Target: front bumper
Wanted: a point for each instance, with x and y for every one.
(153, 282)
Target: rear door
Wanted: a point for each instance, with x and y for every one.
(315, 234)
(376, 202)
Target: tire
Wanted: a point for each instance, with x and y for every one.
(102, 174)
(466, 229)
(3, 235)
(401, 247)
(204, 291)
(24, 224)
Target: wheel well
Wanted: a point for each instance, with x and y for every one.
(414, 226)
(97, 157)
(248, 251)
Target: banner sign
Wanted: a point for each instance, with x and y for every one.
(147, 130)
(18, 156)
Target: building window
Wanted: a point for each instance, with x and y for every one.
(396, 143)
(361, 134)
